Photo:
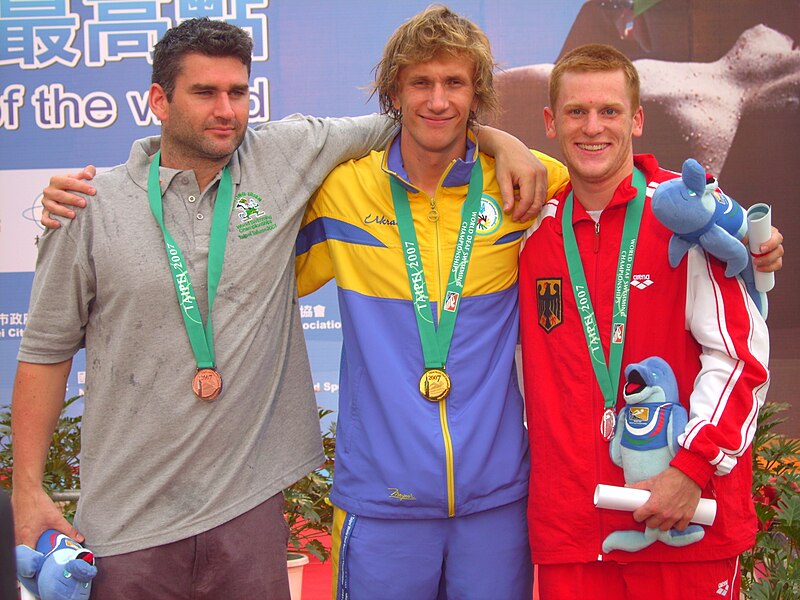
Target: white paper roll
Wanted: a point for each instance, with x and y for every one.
(759, 228)
(622, 498)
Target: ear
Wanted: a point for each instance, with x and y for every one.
(549, 123)
(159, 104)
(638, 122)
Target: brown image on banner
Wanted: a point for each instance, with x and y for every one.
(720, 83)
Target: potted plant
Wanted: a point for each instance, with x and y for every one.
(309, 512)
(771, 569)
(62, 468)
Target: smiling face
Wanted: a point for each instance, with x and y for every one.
(435, 99)
(206, 119)
(594, 121)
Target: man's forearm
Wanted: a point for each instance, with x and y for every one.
(36, 404)
(521, 176)
(493, 140)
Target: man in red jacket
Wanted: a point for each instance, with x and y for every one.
(577, 274)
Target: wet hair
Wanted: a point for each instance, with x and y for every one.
(435, 32)
(593, 58)
(197, 36)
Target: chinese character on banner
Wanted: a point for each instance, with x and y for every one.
(37, 33)
(306, 311)
(122, 29)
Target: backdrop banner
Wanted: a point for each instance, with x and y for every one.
(720, 83)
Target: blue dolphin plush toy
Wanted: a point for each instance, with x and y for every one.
(697, 213)
(58, 569)
(645, 440)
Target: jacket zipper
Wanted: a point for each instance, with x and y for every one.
(433, 216)
(597, 236)
(598, 461)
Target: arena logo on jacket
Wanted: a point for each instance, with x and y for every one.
(641, 282)
(490, 217)
(549, 303)
(252, 220)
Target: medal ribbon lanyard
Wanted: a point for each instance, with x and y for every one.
(436, 341)
(607, 376)
(201, 338)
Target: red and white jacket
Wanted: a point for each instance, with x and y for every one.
(702, 323)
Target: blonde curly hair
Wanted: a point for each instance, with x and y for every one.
(434, 32)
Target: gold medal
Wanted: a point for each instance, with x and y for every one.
(207, 384)
(608, 423)
(434, 385)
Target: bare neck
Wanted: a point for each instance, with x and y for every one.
(425, 168)
(593, 197)
(596, 194)
(205, 169)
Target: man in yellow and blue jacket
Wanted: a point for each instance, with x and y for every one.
(431, 459)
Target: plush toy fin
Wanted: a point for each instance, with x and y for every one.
(734, 254)
(694, 176)
(633, 541)
(678, 247)
(628, 541)
(28, 561)
(81, 570)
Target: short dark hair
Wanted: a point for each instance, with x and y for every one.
(197, 36)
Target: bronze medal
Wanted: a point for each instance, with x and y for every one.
(434, 385)
(608, 423)
(207, 384)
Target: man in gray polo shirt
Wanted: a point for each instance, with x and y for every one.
(192, 426)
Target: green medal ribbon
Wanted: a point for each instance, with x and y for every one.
(436, 342)
(607, 376)
(201, 338)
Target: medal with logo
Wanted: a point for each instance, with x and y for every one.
(207, 382)
(435, 383)
(607, 374)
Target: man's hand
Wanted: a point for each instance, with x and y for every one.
(673, 500)
(770, 254)
(521, 176)
(57, 197)
(34, 513)
(523, 183)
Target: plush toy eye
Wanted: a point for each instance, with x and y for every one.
(67, 574)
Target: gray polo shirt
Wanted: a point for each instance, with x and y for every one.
(157, 464)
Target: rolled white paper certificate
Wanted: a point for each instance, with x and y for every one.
(759, 228)
(622, 498)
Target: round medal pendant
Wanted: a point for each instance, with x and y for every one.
(434, 385)
(607, 424)
(207, 384)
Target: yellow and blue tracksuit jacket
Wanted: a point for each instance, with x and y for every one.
(399, 455)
